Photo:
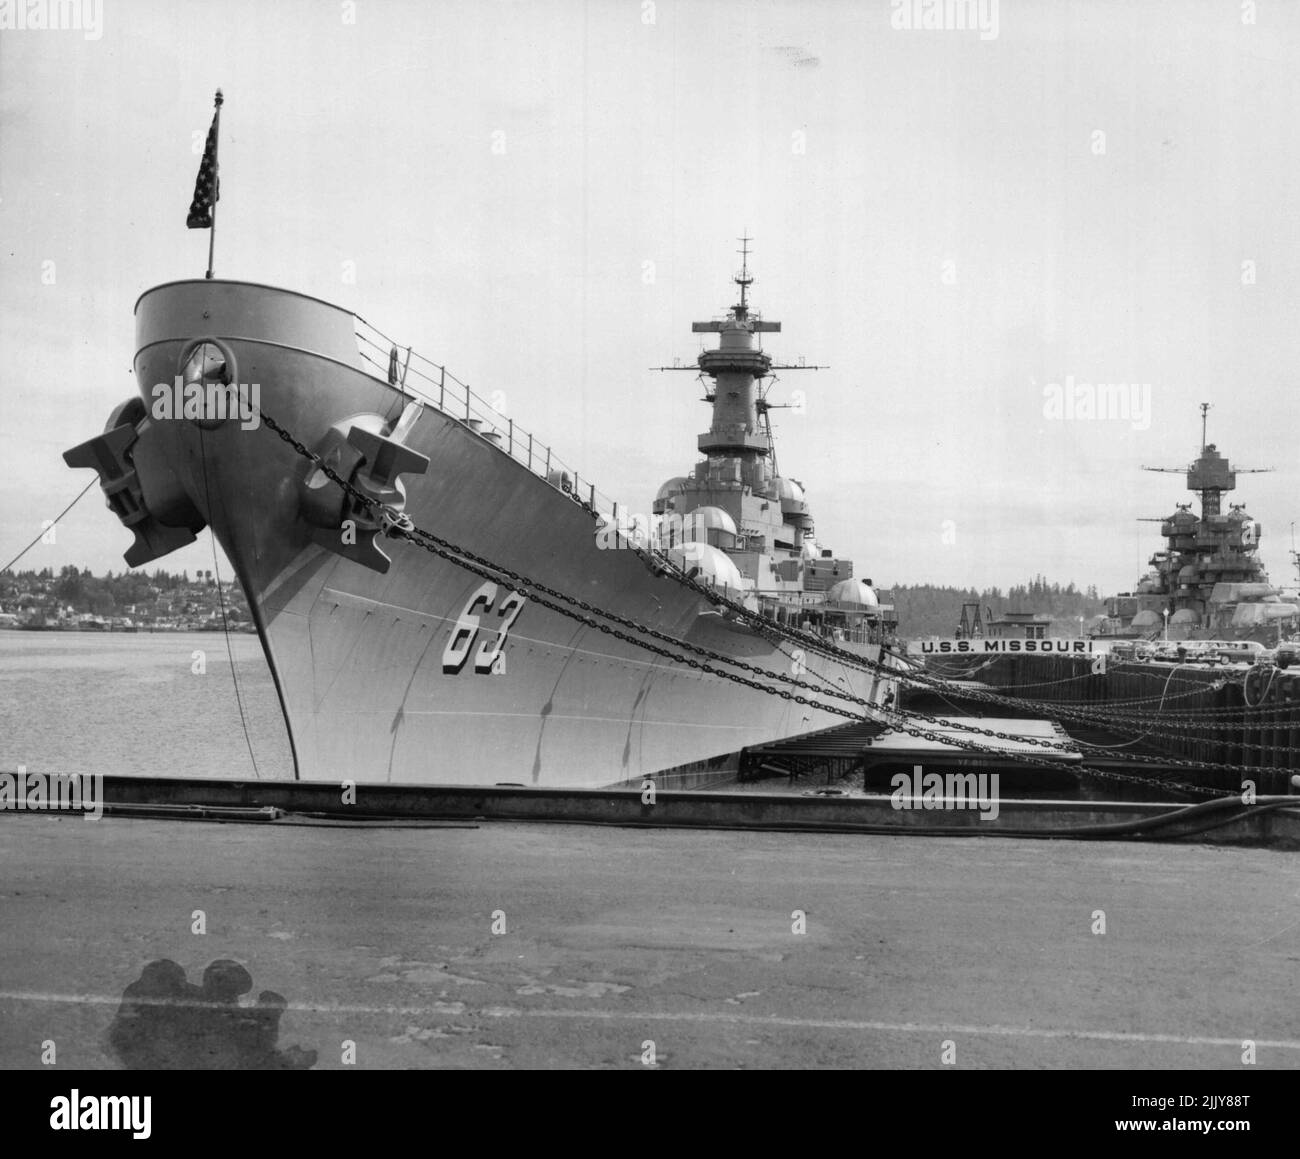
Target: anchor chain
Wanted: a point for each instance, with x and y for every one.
(400, 525)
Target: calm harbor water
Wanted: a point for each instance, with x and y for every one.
(133, 704)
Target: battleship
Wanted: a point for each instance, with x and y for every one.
(440, 599)
(1208, 582)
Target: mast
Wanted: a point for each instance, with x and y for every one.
(742, 279)
(736, 366)
(739, 444)
(1210, 475)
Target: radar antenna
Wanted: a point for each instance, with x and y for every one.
(1210, 474)
(743, 279)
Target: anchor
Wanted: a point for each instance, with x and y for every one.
(141, 489)
(372, 464)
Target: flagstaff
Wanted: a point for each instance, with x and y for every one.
(207, 187)
(216, 130)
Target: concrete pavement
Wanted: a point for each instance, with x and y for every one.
(544, 945)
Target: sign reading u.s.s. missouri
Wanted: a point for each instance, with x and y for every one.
(1054, 646)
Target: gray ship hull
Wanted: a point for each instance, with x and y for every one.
(428, 673)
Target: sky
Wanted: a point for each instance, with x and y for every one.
(961, 225)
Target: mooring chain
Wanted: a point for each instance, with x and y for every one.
(1161, 782)
(401, 526)
(1058, 713)
(1191, 723)
(1152, 723)
(1205, 716)
(1021, 702)
(398, 525)
(416, 534)
(404, 528)
(530, 588)
(436, 542)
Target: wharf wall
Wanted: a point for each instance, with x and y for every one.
(1246, 717)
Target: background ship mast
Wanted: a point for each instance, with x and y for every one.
(1210, 474)
(1208, 575)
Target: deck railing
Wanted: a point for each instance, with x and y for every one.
(433, 383)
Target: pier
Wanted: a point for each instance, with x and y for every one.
(520, 945)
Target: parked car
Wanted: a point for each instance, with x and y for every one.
(1238, 651)
(1287, 653)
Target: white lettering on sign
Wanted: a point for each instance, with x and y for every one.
(1053, 646)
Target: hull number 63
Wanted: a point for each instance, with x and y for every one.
(491, 656)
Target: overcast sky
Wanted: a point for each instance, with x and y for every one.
(950, 220)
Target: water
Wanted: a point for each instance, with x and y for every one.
(133, 705)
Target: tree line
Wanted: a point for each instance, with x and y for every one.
(922, 609)
(104, 595)
(930, 610)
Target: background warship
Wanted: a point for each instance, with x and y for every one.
(1209, 582)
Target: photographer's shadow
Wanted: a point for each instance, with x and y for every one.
(167, 1023)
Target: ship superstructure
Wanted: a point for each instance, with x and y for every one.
(1208, 582)
(749, 527)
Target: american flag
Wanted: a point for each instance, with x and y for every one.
(207, 189)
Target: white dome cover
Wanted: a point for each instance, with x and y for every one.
(674, 487)
(853, 591)
(1146, 619)
(716, 567)
(790, 489)
(698, 523)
